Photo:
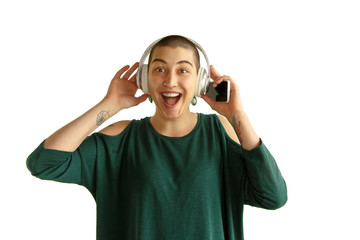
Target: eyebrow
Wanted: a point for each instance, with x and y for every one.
(180, 62)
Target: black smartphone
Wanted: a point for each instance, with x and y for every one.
(221, 93)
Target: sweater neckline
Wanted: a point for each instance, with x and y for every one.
(193, 131)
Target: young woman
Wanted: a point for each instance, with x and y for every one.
(175, 175)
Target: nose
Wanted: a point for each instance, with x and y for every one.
(171, 80)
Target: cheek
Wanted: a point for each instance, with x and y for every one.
(190, 90)
(188, 81)
(191, 84)
(153, 82)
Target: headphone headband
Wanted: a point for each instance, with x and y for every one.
(202, 89)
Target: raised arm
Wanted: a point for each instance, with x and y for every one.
(120, 95)
(234, 112)
(263, 185)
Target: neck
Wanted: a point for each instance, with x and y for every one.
(174, 127)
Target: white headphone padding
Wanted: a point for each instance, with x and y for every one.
(200, 82)
(144, 79)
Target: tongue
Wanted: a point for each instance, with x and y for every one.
(171, 100)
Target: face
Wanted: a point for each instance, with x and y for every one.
(172, 80)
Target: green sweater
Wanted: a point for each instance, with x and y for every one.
(151, 187)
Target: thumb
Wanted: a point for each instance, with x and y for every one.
(209, 101)
(141, 99)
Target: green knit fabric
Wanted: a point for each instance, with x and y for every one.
(151, 187)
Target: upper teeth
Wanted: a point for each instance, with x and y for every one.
(171, 94)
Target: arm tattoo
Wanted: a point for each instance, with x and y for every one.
(102, 117)
(236, 126)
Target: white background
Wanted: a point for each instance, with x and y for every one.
(296, 63)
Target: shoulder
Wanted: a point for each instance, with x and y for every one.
(115, 128)
(228, 128)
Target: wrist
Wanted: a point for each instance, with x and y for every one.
(246, 133)
(107, 104)
(237, 114)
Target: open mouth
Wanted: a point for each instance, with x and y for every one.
(170, 100)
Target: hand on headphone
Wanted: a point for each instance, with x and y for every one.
(234, 105)
(121, 92)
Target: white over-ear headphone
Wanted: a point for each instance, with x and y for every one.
(202, 81)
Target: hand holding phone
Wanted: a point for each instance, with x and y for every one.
(221, 93)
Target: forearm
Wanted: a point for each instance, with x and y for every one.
(69, 137)
(244, 130)
(266, 187)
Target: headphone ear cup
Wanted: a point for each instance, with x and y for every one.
(144, 79)
(201, 82)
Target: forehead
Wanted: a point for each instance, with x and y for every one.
(173, 54)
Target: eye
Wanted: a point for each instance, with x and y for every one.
(183, 71)
(159, 69)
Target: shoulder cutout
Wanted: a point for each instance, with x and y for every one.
(228, 128)
(115, 128)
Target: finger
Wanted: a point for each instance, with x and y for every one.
(131, 71)
(133, 78)
(141, 99)
(215, 84)
(232, 82)
(209, 100)
(222, 79)
(214, 73)
(218, 81)
(121, 71)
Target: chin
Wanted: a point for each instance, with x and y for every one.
(172, 114)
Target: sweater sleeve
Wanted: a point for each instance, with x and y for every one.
(262, 183)
(68, 167)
